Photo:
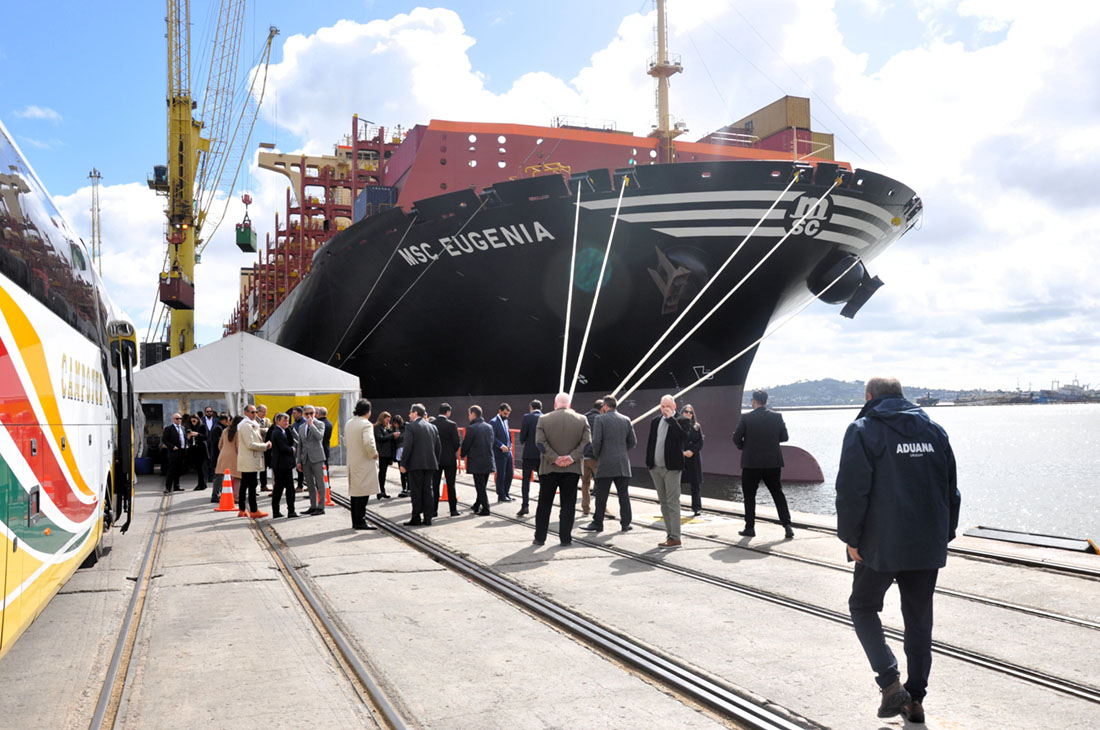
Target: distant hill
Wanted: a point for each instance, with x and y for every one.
(830, 392)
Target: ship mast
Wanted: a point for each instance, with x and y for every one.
(662, 67)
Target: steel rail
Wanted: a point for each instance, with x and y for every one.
(106, 709)
(1033, 676)
(669, 672)
(392, 719)
(1067, 568)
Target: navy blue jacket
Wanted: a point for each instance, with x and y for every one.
(897, 497)
(758, 436)
(527, 435)
(477, 448)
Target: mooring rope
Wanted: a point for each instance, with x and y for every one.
(703, 291)
(763, 337)
(569, 296)
(599, 286)
(730, 293)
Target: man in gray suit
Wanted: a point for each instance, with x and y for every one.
(561, 437)
(612, 437)
(311, 459)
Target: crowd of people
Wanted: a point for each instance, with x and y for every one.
(897, 496)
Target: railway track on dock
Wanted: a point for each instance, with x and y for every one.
(669, 672)
(1082, 571)
(1032, 676)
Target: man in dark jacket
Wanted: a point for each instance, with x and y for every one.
(530, 455)
(420, 460)
(664, 457)
(590, 463)
(758, 436)
(322, 418)
(502, 450)
(897, 507)
(283, 460)
(477, 450)
(448, 459)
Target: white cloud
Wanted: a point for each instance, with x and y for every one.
(37, 112)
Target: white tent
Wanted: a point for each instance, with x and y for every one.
(238, 365)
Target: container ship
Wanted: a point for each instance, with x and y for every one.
(435, 263)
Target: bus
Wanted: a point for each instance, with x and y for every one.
(67, 355)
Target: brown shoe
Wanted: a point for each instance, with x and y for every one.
(894, 700)
(257, 514)
(670, 543)
(914, 712)
(242, 513)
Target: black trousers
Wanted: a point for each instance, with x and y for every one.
(917, 588)
(549, 484)
(603, 491)
(198, 462)
(420, 490)
(383, 465)
(174, 469)
(452, 496)
(481, 484)
(248, 489)
(530, 467)
(284, 481)
(358, 510)
(750, 482)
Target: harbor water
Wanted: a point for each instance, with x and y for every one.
(1034, 468)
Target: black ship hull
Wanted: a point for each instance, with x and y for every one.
(465, 297)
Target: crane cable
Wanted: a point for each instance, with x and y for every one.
(731, 292)
(599, 286)
(711, 280)
(763, 337)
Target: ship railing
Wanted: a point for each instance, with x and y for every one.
(517, 464)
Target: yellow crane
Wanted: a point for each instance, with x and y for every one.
(196, 164)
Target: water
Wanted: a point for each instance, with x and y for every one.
(1034, 468)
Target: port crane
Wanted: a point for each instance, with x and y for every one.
(200, 151)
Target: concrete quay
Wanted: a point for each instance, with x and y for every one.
(224, 642)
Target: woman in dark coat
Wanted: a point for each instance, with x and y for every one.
(398, 427)
(477, 450)
(693, 466)
(383, 439)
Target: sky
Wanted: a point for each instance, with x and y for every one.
(989, 109)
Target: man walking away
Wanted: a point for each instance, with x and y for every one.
(282, 465)
(612, 439)
(477, 450)
(502, 451)
(362, 463)
(897, 507)
(311, 459)
(449, 444)
(561, 437)
(758, 436)
(420, 460)
(531, 455)
(664, 456)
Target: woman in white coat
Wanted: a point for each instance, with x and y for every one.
(362, 463)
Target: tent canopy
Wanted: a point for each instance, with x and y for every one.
(240, 364)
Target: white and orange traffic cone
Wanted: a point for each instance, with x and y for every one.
(328, 491)
(226, 503)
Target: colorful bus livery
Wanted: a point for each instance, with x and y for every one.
(65, 411)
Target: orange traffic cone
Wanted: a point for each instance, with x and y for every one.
(443, 492)
(328, 492)
(226, 504)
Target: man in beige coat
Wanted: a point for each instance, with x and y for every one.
(561, 437)
(362, 463)
(250, 462)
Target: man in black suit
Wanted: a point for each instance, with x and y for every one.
(283, 461)
(758, 436)
(531, 455)
(174, 441)
(448, 459)
(213, 432)
(420, 460)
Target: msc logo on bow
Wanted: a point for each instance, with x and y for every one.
(817, 215)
